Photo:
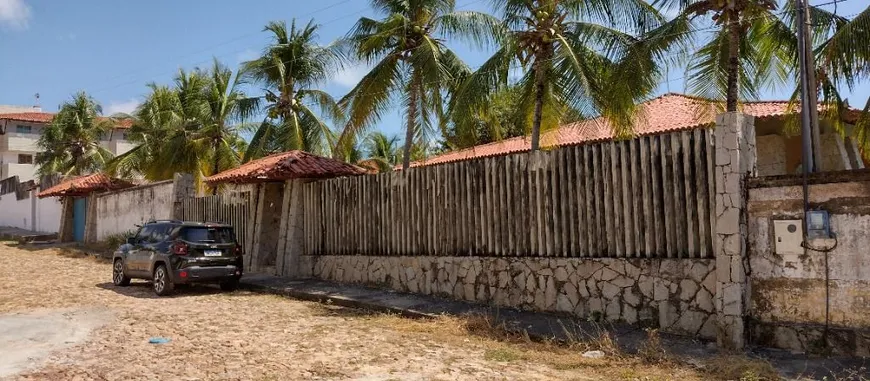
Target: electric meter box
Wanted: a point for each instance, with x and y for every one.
(818, 225)
(788, 237)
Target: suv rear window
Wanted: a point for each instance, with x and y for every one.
(208, 234)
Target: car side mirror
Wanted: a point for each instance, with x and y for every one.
(131, 240)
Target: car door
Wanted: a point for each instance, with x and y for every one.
(138, 252)
(156, 244)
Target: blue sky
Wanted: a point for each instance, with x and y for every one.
(111, 49)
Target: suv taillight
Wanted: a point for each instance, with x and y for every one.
(180, 248)
(238, 250)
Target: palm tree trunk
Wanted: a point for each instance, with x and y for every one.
(733, 62)
(412, 122)
(216, 164)
(539, 104)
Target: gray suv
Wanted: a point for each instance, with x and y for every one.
(179, 252)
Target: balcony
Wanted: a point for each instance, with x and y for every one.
(117, 146)
(14, 141)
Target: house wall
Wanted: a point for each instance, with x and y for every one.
(779, 155)
(119, 212)
(771, 155)
(41, 215)
(673, 294)
(787, 291)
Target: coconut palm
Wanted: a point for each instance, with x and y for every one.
(409, 64)
(70, 144)
(381, 151)
(740, 58)
(839, 61)
(596, 58)
(191, 127)
(289, 68)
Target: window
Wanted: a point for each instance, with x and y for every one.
(22, 129)
(160, 233)
(144, 234)
(25, 159)
(208, 234)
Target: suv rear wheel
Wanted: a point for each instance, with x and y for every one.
(162, 284)
(118, 276)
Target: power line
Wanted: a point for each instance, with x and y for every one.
(683, 52)
(357, 12)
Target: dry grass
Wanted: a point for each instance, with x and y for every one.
(243, 335)
(736, 367)
(507, 347)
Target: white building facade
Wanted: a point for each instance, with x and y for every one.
(21, 128)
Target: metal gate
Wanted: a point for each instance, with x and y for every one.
(80, 216)
(233, 209)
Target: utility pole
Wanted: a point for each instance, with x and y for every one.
(815, 127)
(808, 93)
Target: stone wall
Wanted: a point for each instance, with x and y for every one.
(735, 162)
(674, 294)
(788, 288)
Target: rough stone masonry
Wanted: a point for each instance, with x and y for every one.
(673, 294)
(735, 161)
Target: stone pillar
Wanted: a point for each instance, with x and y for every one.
(182, 188)
(92, 219)
(290, 244)
(735, 160)
(65, 231)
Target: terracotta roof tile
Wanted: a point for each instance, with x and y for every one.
(45, 117)
(84, 185)
(669, 112)
(285, 166)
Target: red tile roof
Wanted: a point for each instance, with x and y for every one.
(669, 112)
(285, 166)
(84, 185)
(46, 117)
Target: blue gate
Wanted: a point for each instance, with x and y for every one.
(80, 213)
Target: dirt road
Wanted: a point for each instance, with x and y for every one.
(245, 336)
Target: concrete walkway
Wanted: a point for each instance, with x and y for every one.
(24, 235)
(540, 326)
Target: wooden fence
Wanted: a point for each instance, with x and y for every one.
(233, 209)
(646, 197)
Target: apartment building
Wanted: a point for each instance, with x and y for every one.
(20, 128)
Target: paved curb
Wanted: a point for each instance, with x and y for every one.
(335, 300)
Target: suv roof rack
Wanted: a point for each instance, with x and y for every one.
(167, 220)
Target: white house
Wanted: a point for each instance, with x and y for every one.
(20, 129)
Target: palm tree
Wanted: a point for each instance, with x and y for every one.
(382, 150)
(70, 144)
(496, 121)
(740, 58)
(226, 108)
(191, 127)
(289, 68)
(409, 64)
(597, 58)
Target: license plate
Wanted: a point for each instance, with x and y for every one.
(212, 253)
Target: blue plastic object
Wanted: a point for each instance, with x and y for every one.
(158, 340)
(818, 224)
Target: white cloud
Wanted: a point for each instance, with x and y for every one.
(14, 14)
(350, 76)
(126, 107)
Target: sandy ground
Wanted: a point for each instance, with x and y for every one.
(101, 332)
